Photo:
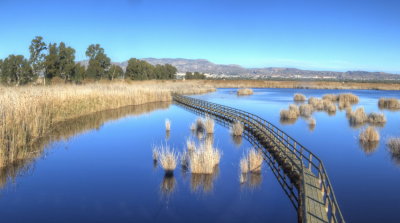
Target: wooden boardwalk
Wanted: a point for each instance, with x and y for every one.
(315, 201)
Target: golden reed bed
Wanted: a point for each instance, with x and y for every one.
(29, 113)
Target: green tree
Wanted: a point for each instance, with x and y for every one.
(188, 75)
(37, 55)
(99, 63)
(139, 70)
(170, 71)
(115, 71)
(16, 70)
(66, 61)
(51, 62)
(78, 73)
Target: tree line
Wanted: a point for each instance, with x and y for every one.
(195, 75)
(58, 60)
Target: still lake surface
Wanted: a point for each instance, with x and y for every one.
(99, 168)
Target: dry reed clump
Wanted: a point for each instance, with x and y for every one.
(312, 122)
(292, 113)
(167, 125)
(245, 91)
(389, 103)
(394, 147)
(331, 97)
(199, 125)
(376, 118)
(306, 110)
(252, 162)
(28, 113)
(316, 103)
(190, 145)
(299, 97)
(167, 158)
(348, 97)
(344, 105)
(329, 106)
(204, 158)
(237, 129)
(358, 116)
(209, 125)
(369, 135)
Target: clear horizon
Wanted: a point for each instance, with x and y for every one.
(331, 35)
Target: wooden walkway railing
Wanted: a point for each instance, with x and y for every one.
(316, 199)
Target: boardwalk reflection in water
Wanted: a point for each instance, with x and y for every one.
(21, 160)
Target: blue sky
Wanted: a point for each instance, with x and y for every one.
(312, 34)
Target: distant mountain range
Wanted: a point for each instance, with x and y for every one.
(236, 71)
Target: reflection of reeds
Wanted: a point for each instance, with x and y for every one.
(203, 182)
(29, 113)
(237, 140)
(168, 185)
(369, 147)
(245, 91)
(19, 158)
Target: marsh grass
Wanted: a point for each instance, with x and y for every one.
(29, 113)
(237, 129)
(168, 158)
(358, 116)
(245, 91)
(393, 145)
(369, 135)
(306, 110)
(316, 103)
(299, 97)
(389, 103)
(209, 125)
(292, 113)
(376, 118)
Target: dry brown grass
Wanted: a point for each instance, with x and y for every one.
(167, 158)
(389, 103)
(331, 97)
(316, 103)
(297, 84)
(190, 145)
(369, 135)
(204, 158)
(167, 125)
(299, 97)
(292, 113)
(251, 162)
(329, 106)
(358, 116)
(394, 147)
(237, 129)
(376, 118)
(209, 125)
(28, 113)
(348, 97)
(306, 110)
(244, 91)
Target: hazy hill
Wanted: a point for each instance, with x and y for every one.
(220, 70)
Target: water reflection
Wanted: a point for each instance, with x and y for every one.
(203, 183)
(369, 147)
(237, 140)
(168, 185)
(18, 161)
(250, 180)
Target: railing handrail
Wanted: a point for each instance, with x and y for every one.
(291, 146)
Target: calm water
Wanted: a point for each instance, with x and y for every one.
(99, 168)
